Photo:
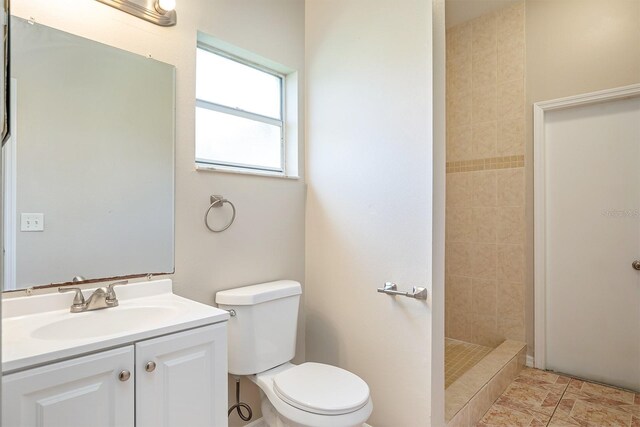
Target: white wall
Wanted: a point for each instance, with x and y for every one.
(267, 240)
(369, 206)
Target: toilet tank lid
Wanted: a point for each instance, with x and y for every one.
(256, 294)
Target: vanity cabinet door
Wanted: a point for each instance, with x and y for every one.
(81, 392)
(181, 379)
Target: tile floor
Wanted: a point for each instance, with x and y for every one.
(459, 357)
(539, 398)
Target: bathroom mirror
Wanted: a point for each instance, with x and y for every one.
(88, 170)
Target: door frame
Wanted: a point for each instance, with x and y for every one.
(539, 197)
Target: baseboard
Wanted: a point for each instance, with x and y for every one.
(529, 361)
(257, 423)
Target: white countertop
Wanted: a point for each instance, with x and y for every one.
(25, 318)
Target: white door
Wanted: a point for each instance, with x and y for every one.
(181, 379)
(85, 391)
(592, 164)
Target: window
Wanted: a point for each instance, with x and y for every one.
(239, 114)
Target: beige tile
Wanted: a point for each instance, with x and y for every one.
(448, 294)
(459, 108)
(484, 224)
(484, 104)
(461, 418)
(510, 227)
(510, 263)
(510, 62)
(510, 298)
(510, 137)
(484, 33)
(479, 404)
(484, 329)
(484, 140)
(587, 389)
(484, 296)
(587, 412)
(501, 416)
(459, 146)
(510, 23)
(510, 98)
(510, 187)
(459, 41)
(499, 383)
(459, 189)
(521, 361)
(461, 292)
(483, 261)
(456, 397)
(459, 75)
(511, 328)
(460, 357)
(531, 396)
(485, 68)
(540, 376)
(460, 324)
(459, 224)
(459, 256)
(485, 188)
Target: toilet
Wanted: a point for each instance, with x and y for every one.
(262, 341)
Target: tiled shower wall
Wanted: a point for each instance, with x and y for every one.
(485, 229)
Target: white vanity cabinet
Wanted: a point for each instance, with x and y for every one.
(175, 380)
(181, 379)
(80, 392)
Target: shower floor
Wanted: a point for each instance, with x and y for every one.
(459, 357)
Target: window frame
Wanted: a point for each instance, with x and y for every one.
(238, 112)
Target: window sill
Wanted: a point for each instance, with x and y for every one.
(240, 171)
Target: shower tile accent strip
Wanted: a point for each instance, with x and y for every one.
(459, 357)
(491, 163)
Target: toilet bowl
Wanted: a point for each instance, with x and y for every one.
(262, 342)
(313, 395)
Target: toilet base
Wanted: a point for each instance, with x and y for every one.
(274, 419)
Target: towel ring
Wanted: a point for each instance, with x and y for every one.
(218, 202)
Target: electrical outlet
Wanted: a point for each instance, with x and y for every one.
(31, 222)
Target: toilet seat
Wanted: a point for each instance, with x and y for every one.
(302, 417)
(321, 389)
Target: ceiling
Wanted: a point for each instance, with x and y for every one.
(459, 11)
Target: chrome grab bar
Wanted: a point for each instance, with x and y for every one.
(391, 288)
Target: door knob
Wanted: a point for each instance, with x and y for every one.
(124, 375)
(636, 264)
(150, 366)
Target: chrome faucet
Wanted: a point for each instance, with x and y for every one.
(104, 297)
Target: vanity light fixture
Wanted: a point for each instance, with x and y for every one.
(159, 12)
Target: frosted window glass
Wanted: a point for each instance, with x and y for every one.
(224, 138)
(236, 85)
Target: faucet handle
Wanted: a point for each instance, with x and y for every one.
(78, 299)
(111, 294)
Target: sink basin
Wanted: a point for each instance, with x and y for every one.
(98, 323)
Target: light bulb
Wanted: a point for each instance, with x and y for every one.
(164, 6)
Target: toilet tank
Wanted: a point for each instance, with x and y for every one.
(262, 334)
